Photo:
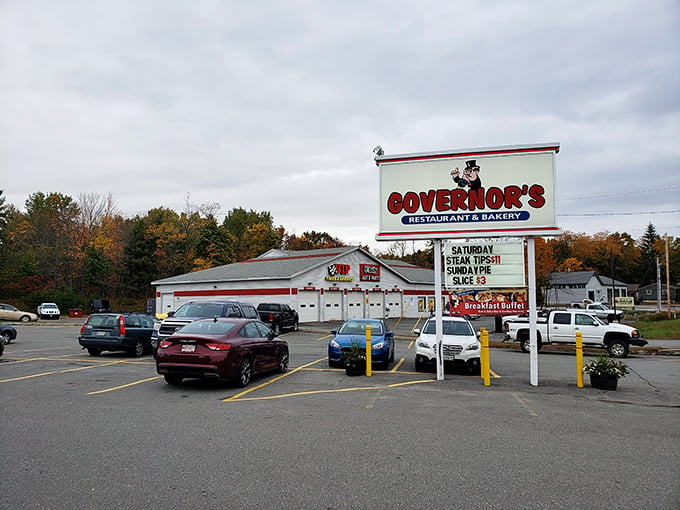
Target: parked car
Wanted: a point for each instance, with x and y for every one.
(278, 316)
(48, 311)
(12, 313)
(194, 310)
(221, 348)
(7, 333)
(129, 332)
(354, 331)
(459, 344)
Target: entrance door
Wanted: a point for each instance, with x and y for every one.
(308, 305)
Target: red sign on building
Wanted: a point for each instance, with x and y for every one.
(369, 273)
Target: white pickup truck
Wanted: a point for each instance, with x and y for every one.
(599, 309)
(560, 327)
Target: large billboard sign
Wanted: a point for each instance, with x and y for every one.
(490, 192)
(483, 265)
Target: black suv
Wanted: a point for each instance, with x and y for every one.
(129, 332)
(193, 310)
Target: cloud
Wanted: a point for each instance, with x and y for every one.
(276, 106)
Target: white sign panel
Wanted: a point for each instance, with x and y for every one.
(483, 264)
(492, 192)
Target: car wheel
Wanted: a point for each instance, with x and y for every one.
(475, 366)
(138, 349)
(245, 372)
(296, 326)
(391, 359)
(618, 349)
(420, 365)
(25, 318)
(6, 337)
(173, 379)
(283, 361)
(333, 364)
(94, 351)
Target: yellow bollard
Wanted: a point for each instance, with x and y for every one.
(579, 359)
(485, 359)
(369, 349)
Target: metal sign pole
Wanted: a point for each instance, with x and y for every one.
(533, 334)
(437, 253)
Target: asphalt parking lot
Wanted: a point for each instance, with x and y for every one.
(107, 432)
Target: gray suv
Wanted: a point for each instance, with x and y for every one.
(193, 310)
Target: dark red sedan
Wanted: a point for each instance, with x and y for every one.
(221, 348)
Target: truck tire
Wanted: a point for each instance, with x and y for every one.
(618, 349)
(524, 344)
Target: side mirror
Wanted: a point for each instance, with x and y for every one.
(171, 314)
(334, 331)
(416, 331)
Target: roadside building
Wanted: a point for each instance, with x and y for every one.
(322, 285)
(569, 287)
(649, 293)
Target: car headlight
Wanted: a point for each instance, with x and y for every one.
(334, 344)
(156, 326)
(472, 347)
(379, 345)
(423, 345)
(635, 333)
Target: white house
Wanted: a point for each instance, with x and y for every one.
(579, 285)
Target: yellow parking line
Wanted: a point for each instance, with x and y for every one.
(397, 365)
(124, 386)
(245, 392)
(318, 392)
(57, 372)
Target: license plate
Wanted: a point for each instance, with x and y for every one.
(100, 333)
(188, 348)
(449, 358)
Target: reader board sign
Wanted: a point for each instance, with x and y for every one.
(490, 192)
(483, 264)
(488, 302)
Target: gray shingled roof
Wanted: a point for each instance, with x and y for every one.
(274, 264)
(286, 264)
(581, 278)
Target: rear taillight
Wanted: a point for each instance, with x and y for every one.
(271, 317)
(218, 347)
(121, 325)
(164, 344)
(82, 328)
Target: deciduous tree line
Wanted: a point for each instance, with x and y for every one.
(70, 251)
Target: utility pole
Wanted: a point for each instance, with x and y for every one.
(668, 280)
(658, 286)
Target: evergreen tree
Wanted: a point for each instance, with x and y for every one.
(648, 256)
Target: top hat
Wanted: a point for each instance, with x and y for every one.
(472, 164)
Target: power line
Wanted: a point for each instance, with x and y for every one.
(620, 213)
(619, 194)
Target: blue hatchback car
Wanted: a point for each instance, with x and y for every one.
(354, 331)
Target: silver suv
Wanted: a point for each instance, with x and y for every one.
(193, 310)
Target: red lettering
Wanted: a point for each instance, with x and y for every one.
(411, 202)
(443, 200)
(536, 193)
(427, 199)
(458, 199)
(512, 195)
(476, 199)
(394, 203)
(494, 198)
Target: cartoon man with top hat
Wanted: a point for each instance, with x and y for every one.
(470, 175)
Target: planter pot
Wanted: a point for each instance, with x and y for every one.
(353, 370)
(603, 382)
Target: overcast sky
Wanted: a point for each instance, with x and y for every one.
(277, 105)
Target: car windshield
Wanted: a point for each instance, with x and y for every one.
(200, 310)
(359, 328)
(208, 328)
(455, 328)
(49, 305)
(103, 321)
